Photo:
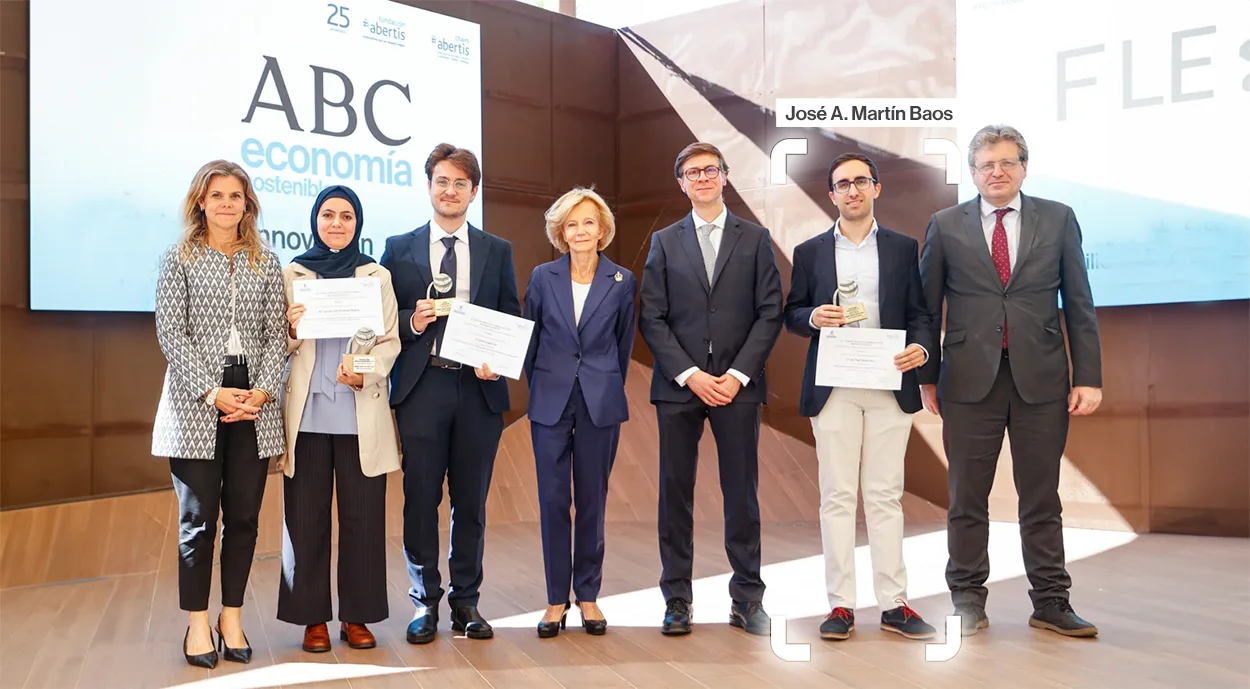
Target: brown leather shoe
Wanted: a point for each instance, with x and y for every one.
(316, 638)
(357, 635)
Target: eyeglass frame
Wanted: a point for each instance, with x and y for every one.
(1008, 166)
(460, 185)
(712, 172)
(868, 183)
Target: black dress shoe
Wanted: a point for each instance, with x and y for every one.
(750, 616)
(467, 619)
(423, 627)
(549, 630)
(236, 655)
(1058, 617)
(676, 617)
(597, 627)
(204, 660)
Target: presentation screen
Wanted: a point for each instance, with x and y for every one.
(1137, 118)
(129, 98)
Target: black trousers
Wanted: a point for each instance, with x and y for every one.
(573, 459)
(233, 482)
(972, 435)
(736, 427)
(447, 431)
(323, 464)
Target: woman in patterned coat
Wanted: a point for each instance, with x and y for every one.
(221, 323)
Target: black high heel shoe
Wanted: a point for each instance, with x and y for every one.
(237, 655)
(548, 630)
(596, 627)
(204, 660)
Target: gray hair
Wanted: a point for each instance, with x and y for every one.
(992, 134)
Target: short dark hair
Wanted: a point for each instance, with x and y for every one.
(698, 148)
(462, 158)
(872, 167)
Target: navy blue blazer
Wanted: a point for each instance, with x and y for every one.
(492, 285)
(595, 350)
(900, 296)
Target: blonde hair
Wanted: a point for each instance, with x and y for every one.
(559, 212)
(195, 228)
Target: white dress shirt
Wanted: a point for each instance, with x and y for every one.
(580, 292)
(861, 263)
(437, 249)
(1011, 223)
(718, 231)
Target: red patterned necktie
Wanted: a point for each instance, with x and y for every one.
(1002, 259)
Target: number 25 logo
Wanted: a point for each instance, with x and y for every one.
(338, 12)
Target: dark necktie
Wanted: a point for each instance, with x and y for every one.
(1002, 258)
(448, 268)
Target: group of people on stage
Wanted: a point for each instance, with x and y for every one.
(710, 309)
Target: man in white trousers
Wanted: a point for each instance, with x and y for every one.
(861, 434)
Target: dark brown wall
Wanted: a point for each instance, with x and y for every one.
(1170, 448)
(76, 411)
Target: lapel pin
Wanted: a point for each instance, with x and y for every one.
(618, 277)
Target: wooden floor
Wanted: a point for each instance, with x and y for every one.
(88, 599)
(84, 607)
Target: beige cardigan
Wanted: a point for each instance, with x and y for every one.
(379, 447)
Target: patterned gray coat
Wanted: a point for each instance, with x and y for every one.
(193, 328)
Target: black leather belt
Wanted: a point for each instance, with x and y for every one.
(440, 362)
(234, 360)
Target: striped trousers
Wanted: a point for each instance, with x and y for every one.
(323, 463)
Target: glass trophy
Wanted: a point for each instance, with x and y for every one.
(853, 310)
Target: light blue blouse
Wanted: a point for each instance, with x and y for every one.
(331, 405)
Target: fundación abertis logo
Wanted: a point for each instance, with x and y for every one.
(455, 49)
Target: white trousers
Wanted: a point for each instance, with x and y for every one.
(861, 439)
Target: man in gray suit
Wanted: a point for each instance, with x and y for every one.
(1000, 261)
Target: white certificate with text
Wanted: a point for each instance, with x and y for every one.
(338, 307)
(475, 335)
(859, 358)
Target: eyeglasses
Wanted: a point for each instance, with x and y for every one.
(692, 173)
(1004, 165)
(861, 183)
(461, 184)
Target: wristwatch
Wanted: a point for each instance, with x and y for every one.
(211, 398)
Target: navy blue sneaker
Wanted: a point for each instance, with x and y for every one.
(838, 625)
(903, 620)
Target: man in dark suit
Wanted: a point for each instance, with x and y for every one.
(450, 416)
(710, 312)
(1000, 262)
(861, 434)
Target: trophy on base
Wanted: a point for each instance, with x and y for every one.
(357, 359)
(442, 284)
(853, 310)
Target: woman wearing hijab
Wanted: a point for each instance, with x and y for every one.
(340, 431)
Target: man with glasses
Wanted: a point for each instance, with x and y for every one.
(861, 434)
(1000, 262)
(450, 416)
(710, 313)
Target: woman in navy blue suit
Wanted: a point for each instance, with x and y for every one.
(582, 305)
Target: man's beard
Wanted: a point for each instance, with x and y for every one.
(453, 215)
